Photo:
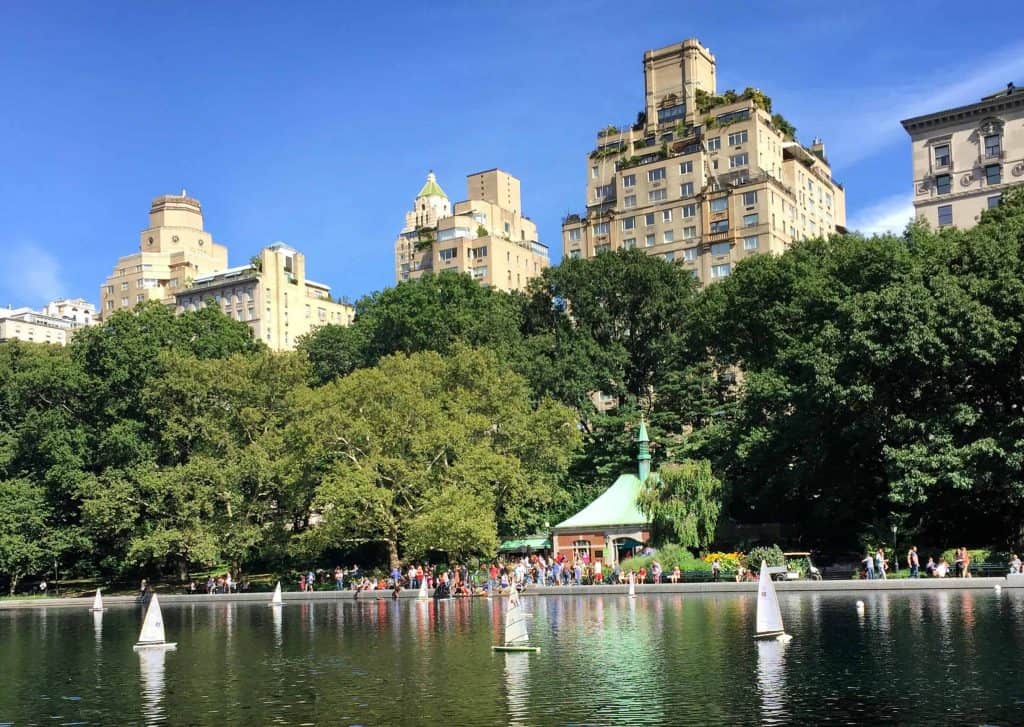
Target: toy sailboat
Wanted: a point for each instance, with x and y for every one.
(516, 637)
(275, 600)
(769, 617)
(152, 634)
(97, 602)
(423, 588)
(632, 585)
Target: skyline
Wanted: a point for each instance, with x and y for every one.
(311, 131)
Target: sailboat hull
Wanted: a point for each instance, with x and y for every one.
(532, 649)
(166, 645)
(772, 635)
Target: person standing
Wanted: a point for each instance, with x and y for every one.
(598, 572)
(310, 579)
(967, 562)
(958, 564)
(880, 564)
(913, 562)
(869, 566)
(716, 570)
(228, 582)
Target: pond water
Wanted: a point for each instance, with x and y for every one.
(925, 657)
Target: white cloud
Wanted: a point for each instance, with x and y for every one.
(30, 276)
(858, 135)
(889, 215)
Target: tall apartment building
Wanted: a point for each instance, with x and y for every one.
(702, 179)
(272, 295)
(173, 250)
(964, 158)
(485, 236)
(78, 311)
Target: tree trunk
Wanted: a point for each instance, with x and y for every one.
(393, 554)
(14, 583)
(183, 569)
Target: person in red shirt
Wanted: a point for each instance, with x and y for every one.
(492, 577)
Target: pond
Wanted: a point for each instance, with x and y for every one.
(922, 657)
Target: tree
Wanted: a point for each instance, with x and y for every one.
(399, 451)
(683, 503)
(25, 538)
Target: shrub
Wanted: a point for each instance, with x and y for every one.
(670, 556)
(771, 554)
(729, 561)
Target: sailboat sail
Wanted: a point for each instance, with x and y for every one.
(153, 625)
(515, 620)
(769, 617)
(276, 598)
(632, 585)
(423, 587)
(97, 602)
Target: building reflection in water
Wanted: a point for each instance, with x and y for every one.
(517, 688)
(151, 669)
(771, 681)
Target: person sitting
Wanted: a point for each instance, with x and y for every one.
(929, 567)
(942, 569)
(1015, 563)
(676, 575)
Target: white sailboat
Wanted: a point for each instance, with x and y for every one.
(97, 602)
(152, 634)
(275, 600)
(769, 617)
(516, 637)
(423, 589)
(632, 585)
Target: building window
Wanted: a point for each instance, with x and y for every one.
(628, 223)
(750, 243)
(672, 113)
(720, 205)
(720, 226)
(689, 232)
(666, 215)
(945, 215)
(600, 191)
(629, 243)
(649, 219)
(601, 228)
(993, 174)
(689, 210)
(993, 146)
(656, 175)
(670, 256)
(942, 155)
(124, 301)
(478, 252)
(715, 143)
(738, 137)
(686, 190)
(691, 253)
(629, 201)
(721, 248)
(686, 168)
(749, 199)
(670, 236)
(449, 253)
(629, 180)
(994, 200)
(750, 220)
(110, 305)
(574, 234)
(721, 271)
(124, 285)
(738, 160)
(943, 183)
(649, 240)
(602, 248)
(593, 172)
(657, 195)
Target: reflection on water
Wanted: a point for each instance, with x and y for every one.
(151, 668)
(927, 657)
(771, 680)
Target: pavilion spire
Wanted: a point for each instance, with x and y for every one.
(644, 455)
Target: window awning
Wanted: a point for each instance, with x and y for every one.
(525, 544)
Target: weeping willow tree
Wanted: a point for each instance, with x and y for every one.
(683, 503)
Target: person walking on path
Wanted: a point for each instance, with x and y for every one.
(913, 562)
(880, 563)
(869, 566)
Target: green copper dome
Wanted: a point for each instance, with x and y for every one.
(432, 188)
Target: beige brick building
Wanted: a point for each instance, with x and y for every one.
(173, 250)
(272, 295)
(964, 158)
(702, 179)
(56, 323)
(485, 236)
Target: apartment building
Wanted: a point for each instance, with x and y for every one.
(702, 179)
(272, 295)
(174, 250)
(485, 236)
(56, 323)
(966, 157)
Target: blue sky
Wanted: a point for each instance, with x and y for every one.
(315, 123)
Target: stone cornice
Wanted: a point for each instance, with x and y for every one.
(979, 110)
